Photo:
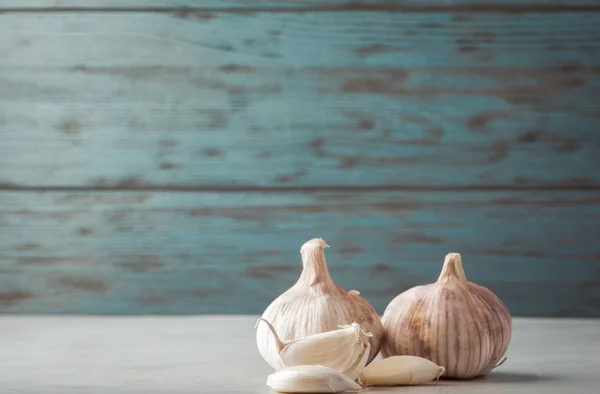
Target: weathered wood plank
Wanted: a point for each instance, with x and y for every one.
(112, 252)
(349, 5)
(205, 136)
(309, 39)
(325, 99)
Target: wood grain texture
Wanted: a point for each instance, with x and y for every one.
(111, 252)
(172, 156)
(371, 99)
(346, 5)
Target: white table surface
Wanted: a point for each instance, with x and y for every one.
(217, 354)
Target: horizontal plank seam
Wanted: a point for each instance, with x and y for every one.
(407, 8)
(296, 189)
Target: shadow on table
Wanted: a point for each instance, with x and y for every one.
(508, 377)
(518, 377)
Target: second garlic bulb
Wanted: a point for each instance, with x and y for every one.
(454, 323)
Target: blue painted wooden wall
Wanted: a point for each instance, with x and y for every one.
(172, 156)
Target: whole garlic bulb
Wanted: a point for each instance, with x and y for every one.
(315, 304)
(454, 323)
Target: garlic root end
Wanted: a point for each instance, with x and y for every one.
(361, 379)
(500, 363)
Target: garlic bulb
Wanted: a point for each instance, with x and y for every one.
(315, 304)
(400, 371)
(453, 322)
(311, 379)
(345, 349)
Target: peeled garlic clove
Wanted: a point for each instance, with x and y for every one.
(400, 371)
(453, 322)
(311, 379)
(342, 349)
(315, 304)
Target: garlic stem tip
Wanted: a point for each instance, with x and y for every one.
(442, 371)
(314, 243)
(452, 269)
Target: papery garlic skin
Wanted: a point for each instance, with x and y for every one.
(400, 371)
(344, 349)
(454, 323)
(315, 304)
(311, 379)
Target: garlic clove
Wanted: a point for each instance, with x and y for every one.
(315, 304)
(452, 322)
(311, 379)
(342, 349)
(400, 371)
(355, 369)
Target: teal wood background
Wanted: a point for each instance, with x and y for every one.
(172, 156)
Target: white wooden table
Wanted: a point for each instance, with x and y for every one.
(217, 354)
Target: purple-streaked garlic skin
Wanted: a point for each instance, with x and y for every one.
(454, 323)
(313, 305)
